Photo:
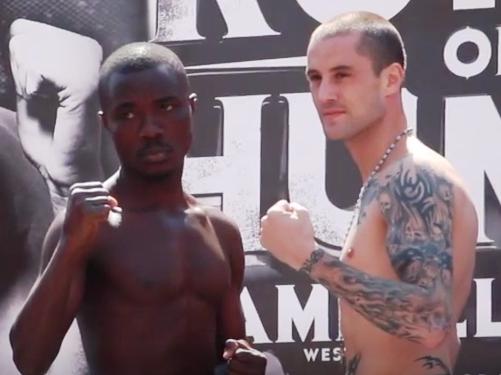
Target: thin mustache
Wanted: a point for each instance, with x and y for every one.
(156, 147)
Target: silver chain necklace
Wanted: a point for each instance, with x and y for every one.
(376, 169)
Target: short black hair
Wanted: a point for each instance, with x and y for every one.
(136, 57)
(379, 39)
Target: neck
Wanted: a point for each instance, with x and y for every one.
(136, 192)
(368, 146)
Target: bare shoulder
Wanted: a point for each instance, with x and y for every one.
(424, 171)
(226, 229)
(423, 196)
(223, 225)
(425, 160)
(229, 238)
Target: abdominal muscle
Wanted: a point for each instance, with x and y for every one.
(172, 339)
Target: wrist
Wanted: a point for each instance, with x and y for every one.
(73, 250)
(314, 258)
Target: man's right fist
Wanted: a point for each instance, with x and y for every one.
(89, 204)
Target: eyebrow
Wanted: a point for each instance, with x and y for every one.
(169, 98)
(334, 69)
(130, 105)
(122, 106)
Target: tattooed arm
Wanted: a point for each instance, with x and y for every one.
(417, 206)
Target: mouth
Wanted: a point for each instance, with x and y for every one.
(333, 113)
(155, 154)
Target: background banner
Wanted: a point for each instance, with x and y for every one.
(257, 139)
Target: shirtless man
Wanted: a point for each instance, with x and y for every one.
(406, 267)
(153, 278)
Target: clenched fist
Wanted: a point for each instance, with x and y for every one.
(287, 232)
(89, 206)
(243, 359)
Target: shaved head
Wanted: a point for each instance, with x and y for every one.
(136, 57)
(379, 39)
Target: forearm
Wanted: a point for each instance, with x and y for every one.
(400, 309)
(47, 314)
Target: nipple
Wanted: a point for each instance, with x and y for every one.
(350, 252)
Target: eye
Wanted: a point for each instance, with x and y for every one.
(314, 77)
(167, 107)
(340, 75)
(125, 115)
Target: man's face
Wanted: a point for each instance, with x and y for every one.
(149, 115)
(347, 93)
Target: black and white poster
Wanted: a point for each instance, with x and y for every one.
(257, 139)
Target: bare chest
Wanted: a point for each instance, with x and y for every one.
(365, 246)
(153, 257)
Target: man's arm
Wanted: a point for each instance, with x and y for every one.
(54, 300)
(243, 359)
(39, 329)
(417, 206)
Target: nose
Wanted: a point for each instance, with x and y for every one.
(150, 128)
(327, 92)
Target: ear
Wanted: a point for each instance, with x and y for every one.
(102, 120)
(393, 77)
(193, 99)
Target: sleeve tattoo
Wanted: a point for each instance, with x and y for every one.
(417, 206)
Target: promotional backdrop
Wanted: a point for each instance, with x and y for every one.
(258, 139)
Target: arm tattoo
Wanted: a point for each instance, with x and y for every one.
(417, 206)
(352, 364)
(314, 258)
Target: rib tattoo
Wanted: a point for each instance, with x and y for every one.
(352, 365)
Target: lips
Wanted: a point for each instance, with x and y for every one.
(333, 113)
(155, 154)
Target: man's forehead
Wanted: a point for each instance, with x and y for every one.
(160, 71)
(155, 81)
(338, 49)
(342, 40)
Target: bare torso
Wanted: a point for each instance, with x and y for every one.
(152, 295)
(370, 350)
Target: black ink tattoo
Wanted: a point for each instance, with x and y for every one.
(434, 363)
(314, 258)
(417, 205)
(352, 364)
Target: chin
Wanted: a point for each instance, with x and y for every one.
(154, 174)
(336, 132)
(157, 176)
